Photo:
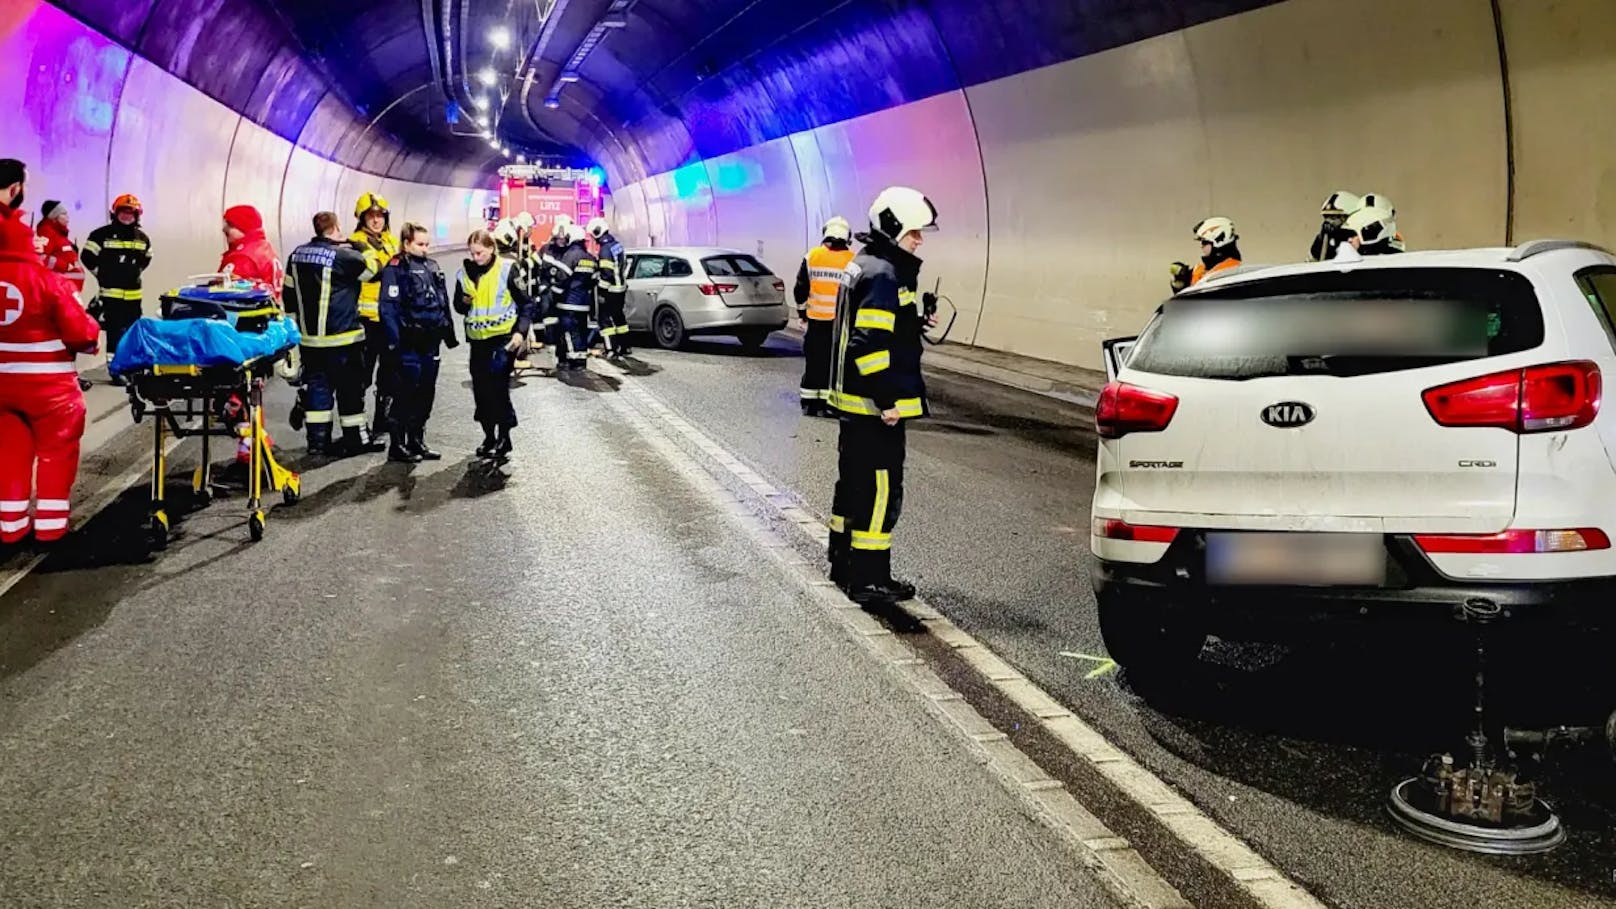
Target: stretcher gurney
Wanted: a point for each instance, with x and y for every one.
(215, 346)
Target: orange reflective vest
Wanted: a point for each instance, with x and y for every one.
(1201, 271)
(825, 267)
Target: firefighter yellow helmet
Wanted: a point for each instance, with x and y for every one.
(370, 202)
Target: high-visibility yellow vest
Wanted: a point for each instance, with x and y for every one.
(493, 309)
(370, 292)
(825, 267)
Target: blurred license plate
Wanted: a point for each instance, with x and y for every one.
(1301, 559)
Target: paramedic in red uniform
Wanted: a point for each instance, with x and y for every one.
(249, 255)
(60, 252)
(42, 327)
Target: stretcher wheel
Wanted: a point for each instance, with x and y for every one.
(293, 490)
(255, 526)
(159, 529)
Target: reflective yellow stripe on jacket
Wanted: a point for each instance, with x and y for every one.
(825, 267)
(493, 309)
(370, 292)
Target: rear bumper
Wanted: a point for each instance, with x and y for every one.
(1415, 592)
(720, 319)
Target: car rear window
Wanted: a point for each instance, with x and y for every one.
(1349, 324)
(734, 266)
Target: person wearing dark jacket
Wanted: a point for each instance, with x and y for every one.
(819, 278)
(416, 320)
(576, 272)
(118, 253)
(499, 314)
(877, 386)
(323, 277)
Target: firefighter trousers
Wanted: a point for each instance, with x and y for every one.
(415, 388)
(572, 347)
(335, 381)
(868, 499)
(491, 368)
(815, 365)
(375, 371)
(41, 423)
(614, 322)
(116, 318)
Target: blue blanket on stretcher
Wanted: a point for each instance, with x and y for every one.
(199, 342)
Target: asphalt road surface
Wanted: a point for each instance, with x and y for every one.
(1293, 750)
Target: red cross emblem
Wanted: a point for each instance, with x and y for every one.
(10, 303)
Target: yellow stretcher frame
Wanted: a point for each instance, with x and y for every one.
(185, 391)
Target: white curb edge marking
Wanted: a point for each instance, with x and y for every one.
(1220, 849)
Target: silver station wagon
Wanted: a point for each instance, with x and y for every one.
(677, 292)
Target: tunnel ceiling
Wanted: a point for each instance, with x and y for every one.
(677, 80)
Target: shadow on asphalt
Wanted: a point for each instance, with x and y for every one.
(721, 346)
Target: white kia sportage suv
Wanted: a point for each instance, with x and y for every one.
(1296, 443)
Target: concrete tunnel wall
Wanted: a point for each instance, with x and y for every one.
(94, 120)
(1066, 190)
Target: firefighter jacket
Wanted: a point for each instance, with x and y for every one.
(42, 324)
(877, 333)
(550, 277)
(323, 277)
(819, 279)
(60, 255)
(378, 250)
(576, 279)
(117, 254)
(612, 267)
(492, 299)
(415, 304)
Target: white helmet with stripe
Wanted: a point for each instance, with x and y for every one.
(1217, 231)
(1372, 225)
(599, 228)
(562, 222)
(899, 210)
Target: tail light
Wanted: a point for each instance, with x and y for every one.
(1550, 398)
(713, 290)
(1124, 408)
(1515, 541)
(1114, 529)
(780, 285)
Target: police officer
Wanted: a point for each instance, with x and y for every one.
(373, 238)
(819, 277)
(499, 315)
(877, 386)
(323, 280)
(613, 282)
(117, 254)
(415, 315)
(1220, 251)
(576, 272)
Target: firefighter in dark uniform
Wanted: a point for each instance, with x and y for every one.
(550, 286)
(877, 387)
(499, 315)
(323, 277)
(417, 319)
(819, 279)
(613, 277)
(374, 239)
(576, 272)
(117, 254)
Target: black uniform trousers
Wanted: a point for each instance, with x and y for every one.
(334, 380)
(868, 499)
(816, 347)
(415, 387)
(613, 320)
(375, 371)
(572, 350)
(116, 318)
(491, 369)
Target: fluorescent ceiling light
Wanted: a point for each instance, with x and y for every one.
(488, 76)
(500, 37)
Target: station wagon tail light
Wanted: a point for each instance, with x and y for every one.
(1124, 408)
(1549, 398)
(713, 290)
(1115, 529)
(1515, 541)
(779, 285)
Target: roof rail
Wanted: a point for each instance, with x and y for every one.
(1538, 247)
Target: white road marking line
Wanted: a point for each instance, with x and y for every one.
(86, 511)
(1219, 848)
(1110, 858)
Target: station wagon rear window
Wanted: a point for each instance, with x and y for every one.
(734, 266)
(1343, 324)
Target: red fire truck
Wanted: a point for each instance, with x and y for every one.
(546, 193)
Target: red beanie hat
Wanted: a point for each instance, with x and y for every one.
(244, 218)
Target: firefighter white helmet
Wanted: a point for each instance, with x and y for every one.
(837, 228)
(505, 232)
(1371, 225)
(1379, 200)
(899, 210)
(559, 231)
(1217, 231)
(1340, 204)
(599, 228)
(575, 233)
(524, 220)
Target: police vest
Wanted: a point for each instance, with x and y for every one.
(493, 309)
(825, 267)
(377, 257)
